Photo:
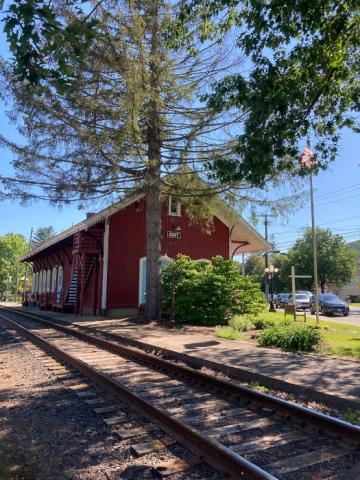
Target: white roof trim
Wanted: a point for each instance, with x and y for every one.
(84, 225)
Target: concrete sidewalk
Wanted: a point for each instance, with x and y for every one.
(331, 376)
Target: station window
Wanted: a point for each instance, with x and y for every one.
(53, 279)
(174, 207)
(48, 280)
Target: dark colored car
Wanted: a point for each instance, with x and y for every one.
(330, 304)
(282, 299)
(302, 301)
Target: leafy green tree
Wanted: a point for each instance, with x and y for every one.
(107, 110)
(209, 294)
(281, 280)
(12, 247)
(41, 235)
(302, 77)
(336, 261)
(111, 115)
(255, 267)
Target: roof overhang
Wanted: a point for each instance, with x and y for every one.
(243, 237)
(84, 225)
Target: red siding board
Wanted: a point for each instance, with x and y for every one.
(127, 244)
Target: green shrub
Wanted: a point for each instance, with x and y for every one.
(260, 323)
(208, 294)
(240, 323)
(291, 337)
(228, 332)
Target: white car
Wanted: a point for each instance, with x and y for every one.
(302, 301)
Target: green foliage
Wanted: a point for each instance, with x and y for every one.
(260, 323)
(302, 79)
(352, 416)
(336, 260)
(290, 336)
(228, 332)
(46, 45)
(41, 235)
(200, 293)
(12, 246)
(240, 323)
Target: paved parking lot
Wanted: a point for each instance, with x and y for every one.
(352, 319)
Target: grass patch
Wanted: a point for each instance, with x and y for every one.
(339, 339)
(355, 304)
(291, 336)
(228, 332)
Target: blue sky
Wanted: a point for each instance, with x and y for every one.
(337, 197)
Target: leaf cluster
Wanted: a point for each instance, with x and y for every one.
(208, 294)
(290, 336)
(303, 78)
(46, 44)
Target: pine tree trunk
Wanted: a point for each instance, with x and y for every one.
(153, 248)
(153, 180)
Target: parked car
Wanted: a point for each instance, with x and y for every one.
(302, 301)
(282, 299)
(306, 292)
(331, 304)
(353, 298)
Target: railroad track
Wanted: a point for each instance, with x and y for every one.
(241, 432)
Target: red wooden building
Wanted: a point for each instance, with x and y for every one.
(99, 265)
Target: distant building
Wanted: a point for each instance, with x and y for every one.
(352, 289)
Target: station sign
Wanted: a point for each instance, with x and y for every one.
(172, 234)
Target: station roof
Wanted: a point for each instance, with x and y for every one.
(243, 237)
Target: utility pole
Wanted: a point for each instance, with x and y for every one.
(26, 265)
(266, 223)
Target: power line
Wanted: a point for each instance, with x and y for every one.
(339, 190)
(337, 200)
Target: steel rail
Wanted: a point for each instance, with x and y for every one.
(304, 415)
(213, 452)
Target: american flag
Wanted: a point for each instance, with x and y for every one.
(307, 158)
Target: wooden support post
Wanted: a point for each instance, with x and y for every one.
(82, 286)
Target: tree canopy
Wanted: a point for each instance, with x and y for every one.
(122, 118)
(12, 247)
(302, 77)
(336, 260)
(41, 235)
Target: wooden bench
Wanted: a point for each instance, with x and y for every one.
(291, 309)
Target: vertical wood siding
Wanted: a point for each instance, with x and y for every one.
(127, 245)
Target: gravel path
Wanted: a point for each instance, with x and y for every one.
(48, 433)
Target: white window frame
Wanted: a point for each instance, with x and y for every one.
(43, 283)
(60, 276)
(48, 280)
(142, 262)
(53, 280)
(178, 208)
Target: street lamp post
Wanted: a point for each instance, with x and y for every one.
(270, 272)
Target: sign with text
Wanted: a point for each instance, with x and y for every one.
(171, 234)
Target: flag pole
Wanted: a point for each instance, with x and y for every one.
(314, 249)
(307, 160)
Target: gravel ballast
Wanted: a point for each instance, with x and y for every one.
(47, 432)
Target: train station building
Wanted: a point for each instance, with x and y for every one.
(99, 265)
